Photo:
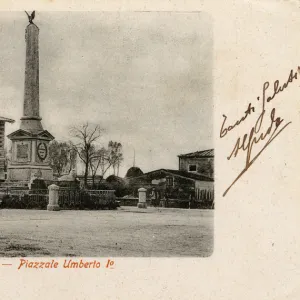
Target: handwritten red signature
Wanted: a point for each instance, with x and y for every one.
(256, 134)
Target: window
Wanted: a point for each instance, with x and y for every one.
(192, 168)
(169, 181)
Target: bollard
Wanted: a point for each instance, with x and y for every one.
(142, 198)
(53, 198)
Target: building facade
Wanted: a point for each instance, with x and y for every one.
(200, 162)
(174, 184)
(3, 159)
(193, 180)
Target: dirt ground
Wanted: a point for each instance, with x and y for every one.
(128, 231)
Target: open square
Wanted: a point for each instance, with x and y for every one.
(127, 232)
(111, 110)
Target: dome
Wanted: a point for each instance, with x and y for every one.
(134, 172)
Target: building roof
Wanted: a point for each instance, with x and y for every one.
(7, 120)
(199, 154)
(182, 174)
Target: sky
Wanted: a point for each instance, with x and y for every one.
(145, 77)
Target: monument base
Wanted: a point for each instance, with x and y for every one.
(142, 205)
(24, 173)
(53, 207)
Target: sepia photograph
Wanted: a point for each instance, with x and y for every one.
(106, 134)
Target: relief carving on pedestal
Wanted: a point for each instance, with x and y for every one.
(42, 151)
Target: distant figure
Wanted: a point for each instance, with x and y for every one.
(155, 197)
(167, 197)
(30, 17)
(192, 199)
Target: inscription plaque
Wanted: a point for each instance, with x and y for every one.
(22, 151)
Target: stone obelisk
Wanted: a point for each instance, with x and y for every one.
(31, 119)
(30, 144)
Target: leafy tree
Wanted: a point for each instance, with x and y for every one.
(115, 155)
(62, 157)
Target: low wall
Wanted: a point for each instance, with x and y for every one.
(68, 199)
(171, 203)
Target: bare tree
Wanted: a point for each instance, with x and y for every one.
(86, 136)
(95, 162)
(104, 159)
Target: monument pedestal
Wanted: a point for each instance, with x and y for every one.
(30, 155)
(25, 173)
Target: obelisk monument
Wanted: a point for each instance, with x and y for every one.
(31, 119)
(30, 144)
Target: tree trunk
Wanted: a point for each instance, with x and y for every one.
(86, 172)
(93, 178)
